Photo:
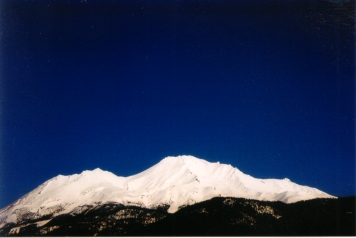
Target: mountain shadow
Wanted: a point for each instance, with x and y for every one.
(241, 217)
(216, 217)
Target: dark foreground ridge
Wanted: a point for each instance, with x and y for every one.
(215, 217)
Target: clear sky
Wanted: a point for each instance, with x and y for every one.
(266, 87)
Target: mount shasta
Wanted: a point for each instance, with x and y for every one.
(174, 182)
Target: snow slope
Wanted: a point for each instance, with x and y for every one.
(175, 181)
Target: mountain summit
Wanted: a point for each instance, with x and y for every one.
(174, 182)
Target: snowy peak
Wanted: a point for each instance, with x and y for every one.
(174, 181)
(199, 167)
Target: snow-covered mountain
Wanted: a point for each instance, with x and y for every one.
(174, 181)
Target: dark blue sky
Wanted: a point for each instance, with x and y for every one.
(266, 87)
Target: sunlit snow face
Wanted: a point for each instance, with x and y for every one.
(174, 182)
